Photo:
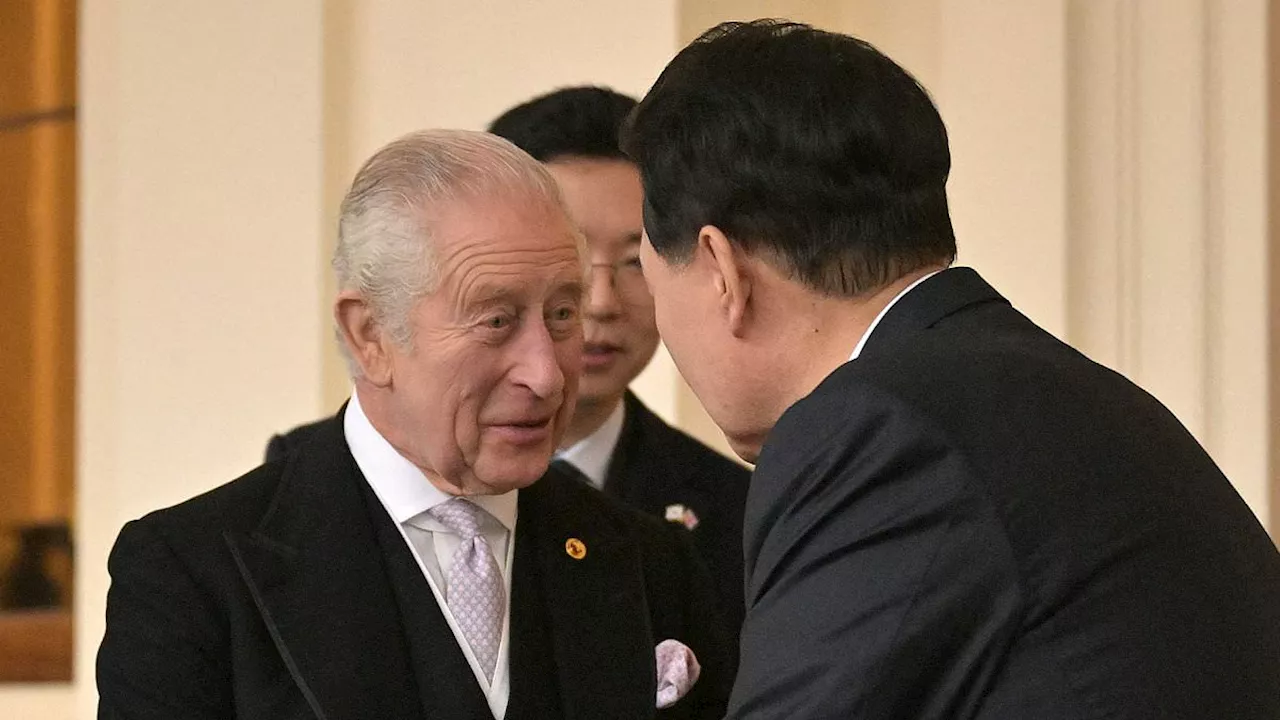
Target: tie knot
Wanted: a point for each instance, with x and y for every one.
(460, 516)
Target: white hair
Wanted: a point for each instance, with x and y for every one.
(384, 250)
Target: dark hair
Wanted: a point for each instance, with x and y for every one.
(809, 147)
(573, 121)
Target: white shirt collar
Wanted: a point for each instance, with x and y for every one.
(857, 349)
(592, 453)
(404, 489)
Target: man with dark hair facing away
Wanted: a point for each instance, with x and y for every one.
(953, 514)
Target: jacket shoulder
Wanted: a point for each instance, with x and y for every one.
(235, 506)
(284, 443)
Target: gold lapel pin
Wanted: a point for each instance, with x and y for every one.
(575, 548)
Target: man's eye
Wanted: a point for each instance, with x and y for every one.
(497, 322)
(564, 314)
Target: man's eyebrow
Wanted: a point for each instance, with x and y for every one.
(575, 288)
(485, 295)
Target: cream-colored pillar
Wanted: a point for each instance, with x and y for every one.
(1168, 212)
(200, 227)
(1239, 411)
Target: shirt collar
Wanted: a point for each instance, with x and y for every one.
(857, 349)
(591, 454)
(403, 488)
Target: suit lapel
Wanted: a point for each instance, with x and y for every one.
(596, 608)
(631, 476)
(618, 480)
(315, 573)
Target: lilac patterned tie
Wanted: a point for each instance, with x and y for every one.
(475, 594)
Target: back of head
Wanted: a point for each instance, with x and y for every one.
(808, 148)
(385, 250)
(571, 122)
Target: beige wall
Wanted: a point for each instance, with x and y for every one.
(200, 218)
(1108, 178)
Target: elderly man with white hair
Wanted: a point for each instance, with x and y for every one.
(416, 559)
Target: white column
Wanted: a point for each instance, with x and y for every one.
(1238, 409)
(1168, 243)
(199, 247)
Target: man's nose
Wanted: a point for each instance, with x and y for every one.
(603, 300)
(537, 366)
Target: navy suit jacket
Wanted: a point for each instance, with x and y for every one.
(973, 520)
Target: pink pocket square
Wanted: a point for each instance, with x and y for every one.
(678, 670)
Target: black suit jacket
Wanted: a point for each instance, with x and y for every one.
(289, 593)
(655, 466)
(972, 520)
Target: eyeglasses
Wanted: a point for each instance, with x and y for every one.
(625, 273)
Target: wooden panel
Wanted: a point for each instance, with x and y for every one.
(15, 351)
(37, 347)
(37, 56)
(53, 228)
(35, 646)
(17, 38)
(37, 260)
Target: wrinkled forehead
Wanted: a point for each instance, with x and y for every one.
(523, 239)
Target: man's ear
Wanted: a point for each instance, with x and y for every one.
(364, 338)
(731, 273)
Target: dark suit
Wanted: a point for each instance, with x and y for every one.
(655, 466)
(290, 593)
(972, 520)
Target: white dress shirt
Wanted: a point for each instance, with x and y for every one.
(591, 454)
(862, 341)
(407, 495)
